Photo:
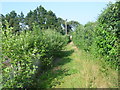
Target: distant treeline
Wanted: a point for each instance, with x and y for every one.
(40, 17)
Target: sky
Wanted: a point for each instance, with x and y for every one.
(82, 12)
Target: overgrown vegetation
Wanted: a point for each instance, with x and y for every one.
(27, 53)
(102, 37)
(32, 43)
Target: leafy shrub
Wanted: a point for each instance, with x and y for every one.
(17, 63)
(108, 34)
(26, 53)
(84, 36)
(102, 38)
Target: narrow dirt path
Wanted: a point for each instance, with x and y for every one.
(78, 69)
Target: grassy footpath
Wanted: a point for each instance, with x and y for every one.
(77, 69)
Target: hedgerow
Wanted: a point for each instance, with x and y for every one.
(108, 34)
(102, 37)
(27, 53)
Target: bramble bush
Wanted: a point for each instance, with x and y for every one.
(102, 37)
(27, 53)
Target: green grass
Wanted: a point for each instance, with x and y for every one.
(78, 69)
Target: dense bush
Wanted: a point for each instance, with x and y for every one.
(84, 36)
(102, 37)
(108, 34)
(26, 53)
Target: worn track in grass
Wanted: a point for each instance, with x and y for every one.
(78, 69)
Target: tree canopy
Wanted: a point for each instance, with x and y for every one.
(40, 17)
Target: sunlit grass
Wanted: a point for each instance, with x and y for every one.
(79, 70)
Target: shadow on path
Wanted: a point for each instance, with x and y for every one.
(63, 57)
(49, 78)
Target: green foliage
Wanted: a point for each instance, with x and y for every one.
(43, 18)
(84, 36)
(108, 34)
(12, 19)
(27, 53)
(40, 17)
(102, 38)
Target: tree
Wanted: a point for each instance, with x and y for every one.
(21, 17)
(29, 20)
(51, 21)
(44, 19)
(2, 19)
(22, 23)
(13, 20)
